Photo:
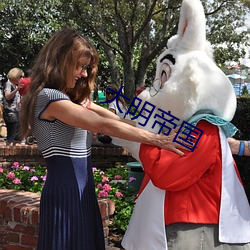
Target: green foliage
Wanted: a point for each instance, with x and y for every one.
(24, 178)
(246, 3)
(244, 90)
(242, 120)
(113, 184)
(223, 29)
(129, 35)
(110, 184)
(242, 117)
(25, 27)
(137, 31)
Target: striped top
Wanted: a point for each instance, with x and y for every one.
(55, 137)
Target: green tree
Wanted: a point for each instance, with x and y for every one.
(25, 26)
(133, 33)
(246, 3)
(129, 34)
(244, 90)
(223, 20)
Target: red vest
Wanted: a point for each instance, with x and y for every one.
(192, 182)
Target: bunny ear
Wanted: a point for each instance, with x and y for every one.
(192, 25)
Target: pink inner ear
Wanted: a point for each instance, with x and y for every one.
(184, 28)
(164, 78)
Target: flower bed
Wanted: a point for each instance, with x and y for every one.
(111, 184)
(25, 178)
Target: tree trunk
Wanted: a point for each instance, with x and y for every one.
(114, 71)
(129, 79)
(141, 74)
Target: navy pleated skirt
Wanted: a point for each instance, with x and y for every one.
(69, 213)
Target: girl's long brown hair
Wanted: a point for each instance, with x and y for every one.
(54, 68)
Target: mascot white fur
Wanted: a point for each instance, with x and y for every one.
(203, 187)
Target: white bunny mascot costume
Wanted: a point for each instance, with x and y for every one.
(182, 198)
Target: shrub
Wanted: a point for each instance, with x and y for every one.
(242, 120)
(20, 177)
(111, 184)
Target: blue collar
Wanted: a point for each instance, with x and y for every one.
(228, 128)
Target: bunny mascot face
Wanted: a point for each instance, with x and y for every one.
(184, 198)
(187, 79)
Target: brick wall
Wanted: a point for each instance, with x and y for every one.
(19, 210)
(103, 155)
(19, 217)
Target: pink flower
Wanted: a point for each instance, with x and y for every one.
(102, 173)
(11, 175)
(32, 170)
(1, 170)
(107, 187)
(131, 179)
(99, 186)
(17, 181)
(26, 168)
(105, 179)
(118, 194)
(34, 178)
(117, 177)
(15, 165)
(94, 170)
(102, 193)
(43, 178)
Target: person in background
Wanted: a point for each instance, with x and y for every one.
(110, 92)
(239, 147)
(11, 105)
(113, 106)
(25, 82)
(63, 77)
(1, 100)
(3, 80)
(139, 89)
